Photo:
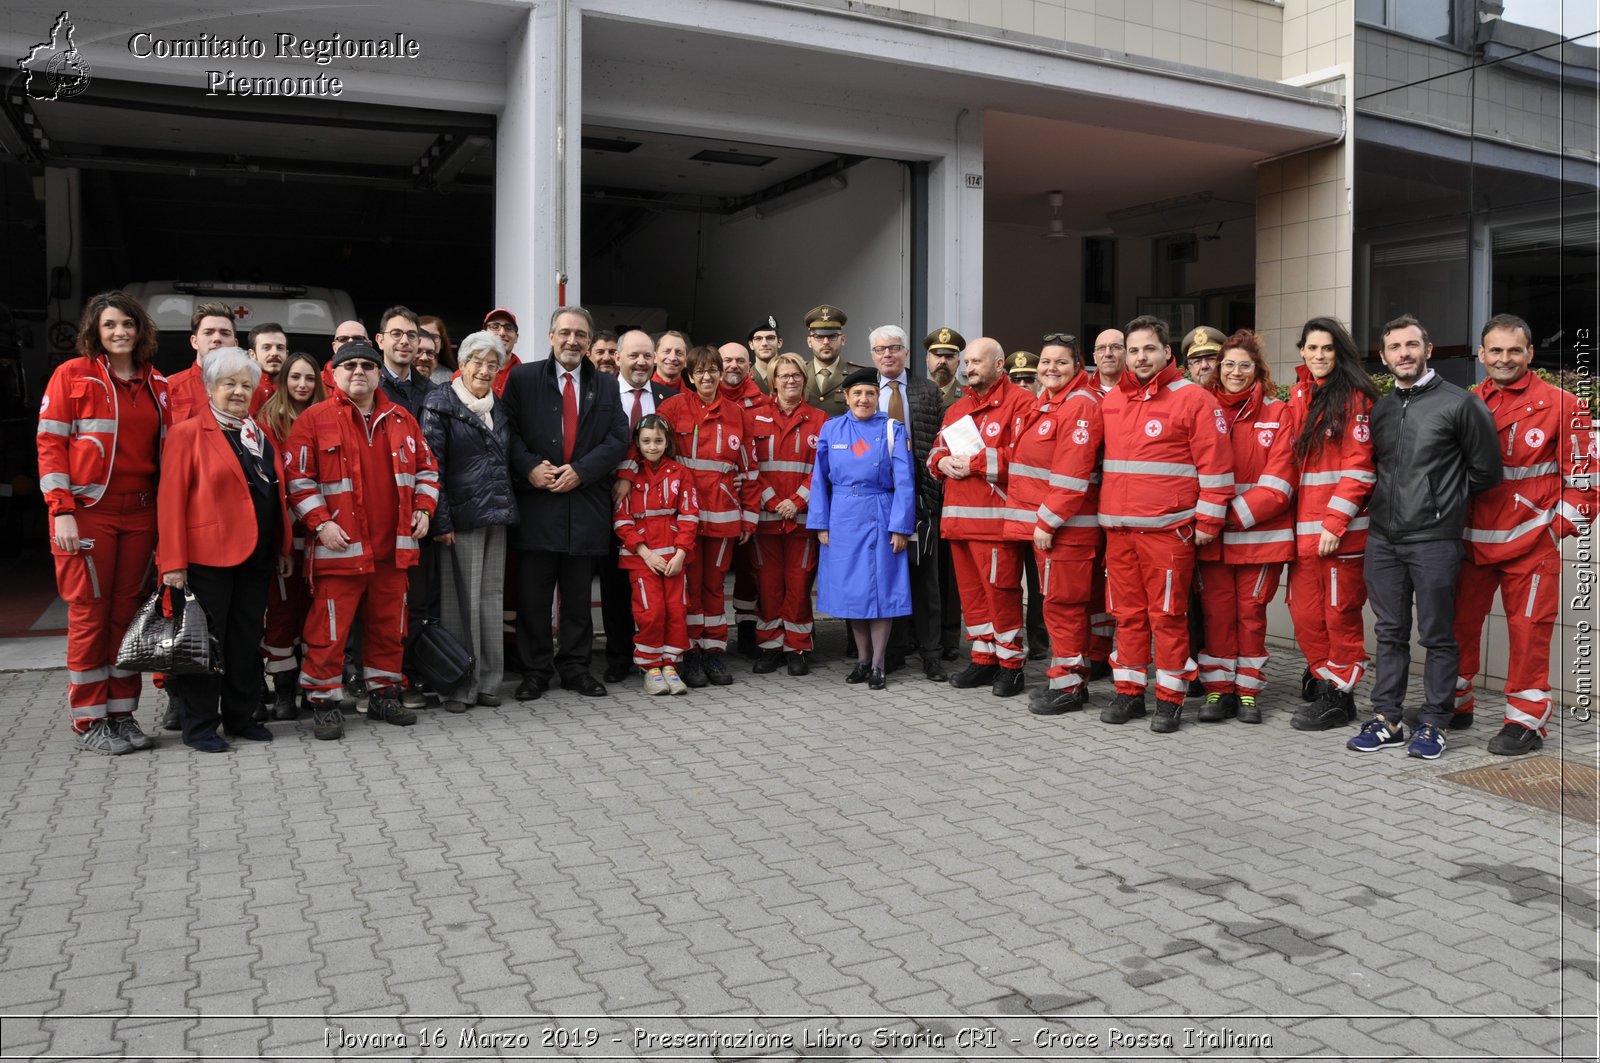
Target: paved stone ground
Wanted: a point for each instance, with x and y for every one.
(784, 869)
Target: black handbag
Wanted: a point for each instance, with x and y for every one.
(438, 656)
(179, 644)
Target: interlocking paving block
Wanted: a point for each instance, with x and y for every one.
(1552, 783)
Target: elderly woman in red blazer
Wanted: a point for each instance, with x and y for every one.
(224, 530)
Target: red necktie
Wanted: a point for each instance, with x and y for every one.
(569, 418)
(638, 409)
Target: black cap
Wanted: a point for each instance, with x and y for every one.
(356, 349)
(860, 376)
(766, 324)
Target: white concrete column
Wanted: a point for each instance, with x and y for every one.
(955, 231)
(536, 169)
(63, 236)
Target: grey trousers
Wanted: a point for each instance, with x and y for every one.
(1398, 574)
(481, 553)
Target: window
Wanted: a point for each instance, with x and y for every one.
(1432, 20)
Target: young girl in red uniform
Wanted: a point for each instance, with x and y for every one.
(657, 522)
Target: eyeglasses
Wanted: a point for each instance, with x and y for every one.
(358, 365)
(348, 339)
(706, 370)
(500, 326)
(889, 348)
(401, 334)
(792, 378)
(1108, 347)
(1065, 339)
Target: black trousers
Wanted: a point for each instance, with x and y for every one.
(540, 573)
(1033, 622)
(922, 631)
(235, 600)
(616, 609)
(949, 601)
(423, 592)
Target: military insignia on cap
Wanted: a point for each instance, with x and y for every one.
(772, 323)
(1020, 360)
(944, 335)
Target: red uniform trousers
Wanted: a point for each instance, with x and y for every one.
(660, 620)
(1066, 583)
(1147, 586)
(706, 577)
(1102, 629)
(1325, 599)
(288, 602)
(379, 598)
(746, 584)
(786, 564)
(989, 574)
(1234, 599)
(1530, 594)
(103, 586)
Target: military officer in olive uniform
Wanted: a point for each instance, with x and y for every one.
(944, 347)
(1023, 369)
(827, 370)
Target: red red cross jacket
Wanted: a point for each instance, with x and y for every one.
(1167, 461)
(659, 511)
(323, 466)
(1055, 467)
(976, 507)
(784, 458)
(77, 434)
(188, 393)
(1260, 528)
(713, 443)
(1335, 482)
(1547, 443)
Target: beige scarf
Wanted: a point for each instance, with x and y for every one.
(483, 408)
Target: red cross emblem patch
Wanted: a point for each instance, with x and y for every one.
(860, 447)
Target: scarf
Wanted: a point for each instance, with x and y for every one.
(249, 431)
(481, 408)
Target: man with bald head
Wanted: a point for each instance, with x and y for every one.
(972, 456)
(1110, 355)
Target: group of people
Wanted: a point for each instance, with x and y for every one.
(323, 513)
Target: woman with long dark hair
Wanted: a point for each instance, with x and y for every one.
(101, 425)
(1331, 408)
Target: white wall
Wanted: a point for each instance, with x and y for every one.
(849, 248)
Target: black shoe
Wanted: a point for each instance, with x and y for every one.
(948, 655)
(327, 721)
(531, 688)
(693, 670)
(717, 673)
(747, 646)
(768, 662)
(585, 684)
(876, 680)
(387, 708)
(255, 733)
(1197, 689)
(1123, 707)
(859, 673)
(976, 675)
(169, 719)
(1168, 715)
(1219, 707)
(1047, 702)
(286, 689)
(1514, 740)
(1249, 711)
(799, 664)
(1310, 686)
(1463, 720)
(1099, 670)
(1334, 708)
(617, 673)
(1008, 684)
(934, 670)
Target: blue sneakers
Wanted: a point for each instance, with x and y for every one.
(1426, 742)
(1375, 735)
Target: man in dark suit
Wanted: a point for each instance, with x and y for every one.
(916, 403)
(568, 433)
(640, 395)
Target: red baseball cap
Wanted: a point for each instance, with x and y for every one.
(501, 311)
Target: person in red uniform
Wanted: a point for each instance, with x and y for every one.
(785, 550)
(1055, 474)
(738, 385)
(711, 438)
(363, 482)
(269, 346)
(1547, 444)
(503, 323)
(976, 488)
(288, 596)
(1330, 408)
(101, 424)
(1165, 486)
(1239, 574)
(657, 520)
(211, 325)
(1110, 356)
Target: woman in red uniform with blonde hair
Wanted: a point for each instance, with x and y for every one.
(101, 426)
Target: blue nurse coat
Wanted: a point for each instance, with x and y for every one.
(863, 487)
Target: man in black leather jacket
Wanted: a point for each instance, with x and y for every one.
(1434, 446)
